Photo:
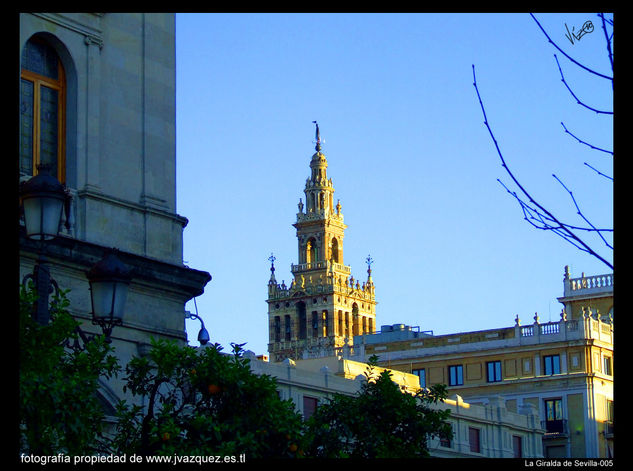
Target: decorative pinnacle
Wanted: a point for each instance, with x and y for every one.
(369, 261)
(272, 282)
(272, 262)
(318, 137)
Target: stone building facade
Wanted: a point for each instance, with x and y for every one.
(97, 105)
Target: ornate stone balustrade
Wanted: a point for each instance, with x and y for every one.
(336, 280)
(589, 327)
(587, 285)
(323, 264)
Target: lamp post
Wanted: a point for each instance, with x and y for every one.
(43, 197)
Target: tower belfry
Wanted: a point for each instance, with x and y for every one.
(324, 306)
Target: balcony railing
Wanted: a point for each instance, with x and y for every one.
(338, 267)
(565, 329)
(555, 427)
(586, 285)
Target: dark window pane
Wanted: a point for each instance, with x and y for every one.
(40, 58)
(309, 406)
(517, 446)
(473, 438)
(26, 127)
(48, 128)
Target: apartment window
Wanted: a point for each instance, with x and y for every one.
(517, 446)
(309, 406)
(551, 364)
(610, 415)
(455, 375)
(554, 416)
(606, 365)
(493, 371)
(445, 442)
(473, 439)
(42, 110)
(420, 373)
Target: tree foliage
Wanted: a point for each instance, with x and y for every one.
(380, 421)
(200, 402)
(59, 411)
(204, 402)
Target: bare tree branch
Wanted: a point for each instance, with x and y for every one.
(579, 212)
(598, 172)
(606, 36)
(574, 95)
(569, 57)
(585, 143)
(534, 212)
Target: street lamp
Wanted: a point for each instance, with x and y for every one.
(203, 334)
(109, 282)
(43, 197)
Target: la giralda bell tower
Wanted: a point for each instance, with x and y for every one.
(324, 306)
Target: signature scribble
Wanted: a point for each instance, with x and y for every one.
(587, 27)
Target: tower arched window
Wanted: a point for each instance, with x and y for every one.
(335, 250)
(355, 320)
(42, 109)
(311, 251)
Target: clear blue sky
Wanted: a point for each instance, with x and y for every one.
(409, 155)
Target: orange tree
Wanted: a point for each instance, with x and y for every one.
(59, 411)
(202, 402)
(380, 421)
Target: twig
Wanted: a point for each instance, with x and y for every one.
(569, 57)
(580, 213)
(585, 143)
(598, 172)
(606, 36)
(574, 95)
(558, 227)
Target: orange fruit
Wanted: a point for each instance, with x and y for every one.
(214, 389)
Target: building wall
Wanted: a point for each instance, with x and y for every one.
(120, 135)
(120, 162)
(320, 378)
(583, 382)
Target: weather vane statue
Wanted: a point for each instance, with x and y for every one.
(369, 261)
(318, 137)
(272, 262)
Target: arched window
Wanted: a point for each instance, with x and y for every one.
(42, 110)
(355, 320)
(334, 250)
(311, 250)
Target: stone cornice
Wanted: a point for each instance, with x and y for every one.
(91, 35)
(83, 255)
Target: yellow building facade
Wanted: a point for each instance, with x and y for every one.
(564, 368)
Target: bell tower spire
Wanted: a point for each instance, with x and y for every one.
(324, 307)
